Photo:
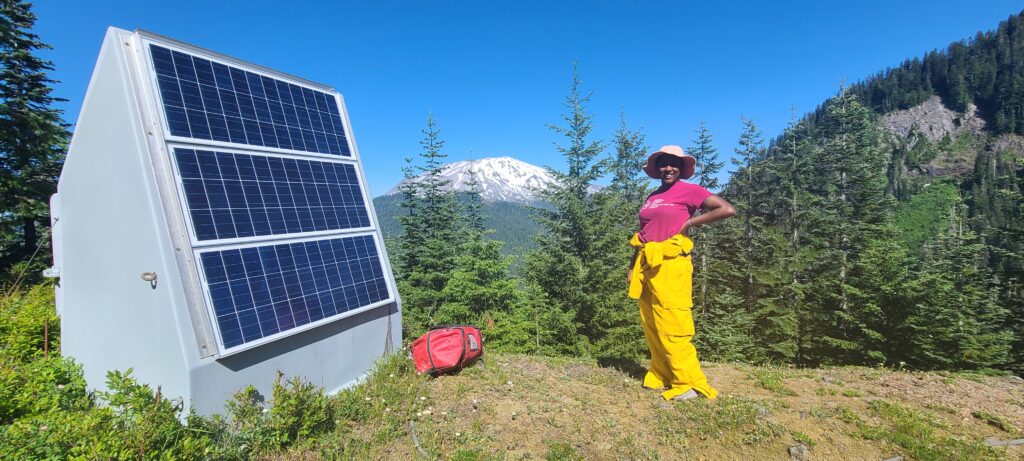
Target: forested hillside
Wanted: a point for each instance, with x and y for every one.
(984, 71)
(512, 223)
(888, 223)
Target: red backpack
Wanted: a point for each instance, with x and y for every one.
(446, 348)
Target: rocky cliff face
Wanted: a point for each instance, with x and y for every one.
(933, 120)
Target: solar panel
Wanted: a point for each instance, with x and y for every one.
(282, 235)
(204, 99)
(260, 291)
(231, 195)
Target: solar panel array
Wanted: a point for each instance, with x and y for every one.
(240, 195)
(209, 100)
(280, 237)
(260, 291)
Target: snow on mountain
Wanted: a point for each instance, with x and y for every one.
(499, 179)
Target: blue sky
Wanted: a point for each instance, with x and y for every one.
(494, 74)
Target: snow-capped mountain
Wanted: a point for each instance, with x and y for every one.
(499, 179)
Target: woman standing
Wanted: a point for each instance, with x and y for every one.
(662, 274)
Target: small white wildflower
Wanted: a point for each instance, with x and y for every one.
(383, 401)
(419, 413)
(266, 410)
(60, 386)
(43, 427)
(458, 434)
(367, 399)
(387, 410)
(427, 412)
(423, 398)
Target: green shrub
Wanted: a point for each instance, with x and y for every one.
(42, 386)
(149, 423)
(300, 410)
(136, 423)
(351, 405)
(23, 319)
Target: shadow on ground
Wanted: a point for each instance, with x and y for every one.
(629, 366)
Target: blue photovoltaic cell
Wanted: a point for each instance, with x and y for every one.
(240, 195)
(260, 291)
(208, 100)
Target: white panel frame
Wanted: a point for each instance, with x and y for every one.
(150, 109)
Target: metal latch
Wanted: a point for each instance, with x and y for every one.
(150, 277)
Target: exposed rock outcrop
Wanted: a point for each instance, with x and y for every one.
(933, 120)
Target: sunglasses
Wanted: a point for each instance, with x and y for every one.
(666, 160)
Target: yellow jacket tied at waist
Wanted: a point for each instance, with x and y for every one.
(651, 257)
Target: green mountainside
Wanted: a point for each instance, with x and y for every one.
(512, 223)
(940, 149)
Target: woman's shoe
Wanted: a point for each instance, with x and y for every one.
(690, 394)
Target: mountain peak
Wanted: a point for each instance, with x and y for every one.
(499, 179)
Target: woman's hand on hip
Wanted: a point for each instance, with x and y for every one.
(685, 230)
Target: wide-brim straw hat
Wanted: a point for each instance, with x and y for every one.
(689, 162)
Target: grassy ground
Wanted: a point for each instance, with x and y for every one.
(519, 407)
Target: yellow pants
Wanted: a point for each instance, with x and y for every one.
(665, 302)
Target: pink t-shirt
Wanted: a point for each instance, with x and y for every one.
(665, 212)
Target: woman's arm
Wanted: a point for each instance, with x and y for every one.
(715, 209)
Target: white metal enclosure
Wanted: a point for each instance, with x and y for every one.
(213, 227)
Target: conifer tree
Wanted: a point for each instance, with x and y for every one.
(629, 183)
(429, 233)
(850, 183)
(745, 184)
(725, 324)
(472, 208)
(957, 321)
(616, 333)
(413, 232)
(880, 286)
(33, 138)
(704, 151)
(479, 287)
(790, 170)
(563, 263)
(706, 173)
